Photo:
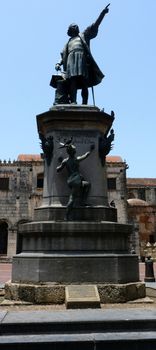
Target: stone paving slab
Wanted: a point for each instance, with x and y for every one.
(145, 300)
(2, 315)
(79, 329)
(85, 315)
(88, 339)
(150, 285)
(151, 290)
(20, 339)
(7, 302)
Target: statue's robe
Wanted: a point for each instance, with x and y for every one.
(78, 61)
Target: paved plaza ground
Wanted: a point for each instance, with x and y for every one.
(5, 272)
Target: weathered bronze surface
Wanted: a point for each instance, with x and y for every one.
(76, 182)
(105, 146)
(47, 147)
(80, 69)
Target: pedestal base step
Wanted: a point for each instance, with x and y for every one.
(75, 268)
(52, 293)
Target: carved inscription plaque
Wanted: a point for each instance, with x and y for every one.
(82, 296)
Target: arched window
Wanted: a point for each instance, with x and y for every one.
(3, 237)
(40, 181)
(111, 183)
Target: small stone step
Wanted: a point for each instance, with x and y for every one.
(82, 296)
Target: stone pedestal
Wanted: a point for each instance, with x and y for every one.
(75, 252)
(85, 125)
(92, 249)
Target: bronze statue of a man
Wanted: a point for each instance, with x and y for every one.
(78, 64)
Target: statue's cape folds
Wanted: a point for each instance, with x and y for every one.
(95, 75)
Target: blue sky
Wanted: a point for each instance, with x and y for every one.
(33, 32)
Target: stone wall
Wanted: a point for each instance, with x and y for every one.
(116, 170)
(143, 217)
(142, 188)
(142, 212)
(19, 195)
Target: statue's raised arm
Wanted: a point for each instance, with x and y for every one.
(101, 16)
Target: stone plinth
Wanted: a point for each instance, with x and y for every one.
(92, 213)
(52, 237)
(75, 252)
(74, 267)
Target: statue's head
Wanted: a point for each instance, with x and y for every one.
(73, 30)
(71, 150)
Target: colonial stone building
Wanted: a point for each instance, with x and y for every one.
(142, 188)
(116, 182)
(142, 213)
(21, 185)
